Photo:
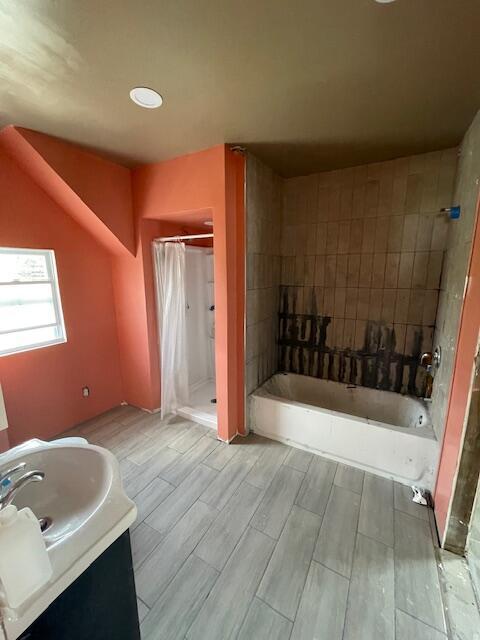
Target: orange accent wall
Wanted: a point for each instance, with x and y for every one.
(460, 387)
(99, 197)
(185, 191)
(42, 387)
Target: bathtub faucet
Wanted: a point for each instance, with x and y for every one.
(426, 362)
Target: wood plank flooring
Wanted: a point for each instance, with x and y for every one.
(259, 540)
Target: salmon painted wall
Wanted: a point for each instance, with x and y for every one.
(187, 190)
(42, 387)
(167, 198)
(94, 191)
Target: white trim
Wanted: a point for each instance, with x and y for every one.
(52, 280)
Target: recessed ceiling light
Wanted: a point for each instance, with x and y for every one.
(145, 97)
(384, 1)
(208, 223)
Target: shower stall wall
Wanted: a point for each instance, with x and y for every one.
(200, 329)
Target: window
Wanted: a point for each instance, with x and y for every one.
(30, 308)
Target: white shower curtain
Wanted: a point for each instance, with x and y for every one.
(169, 260)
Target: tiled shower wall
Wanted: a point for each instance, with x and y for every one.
(362, 253)
(264, 224)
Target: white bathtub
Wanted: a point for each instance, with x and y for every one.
(379, 431)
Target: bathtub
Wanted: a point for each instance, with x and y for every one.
(378, 431)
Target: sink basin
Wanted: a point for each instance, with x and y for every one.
(77, 481)
(83, 498)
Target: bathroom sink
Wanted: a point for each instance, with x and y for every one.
(81, 503)
(77, 482)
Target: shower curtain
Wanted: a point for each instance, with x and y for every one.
(169, 260)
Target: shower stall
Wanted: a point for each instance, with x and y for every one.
(184, 277)
(200, 336)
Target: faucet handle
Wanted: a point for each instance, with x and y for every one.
(29, 476)
(9, 472)
(426, 359)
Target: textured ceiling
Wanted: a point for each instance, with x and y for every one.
(307, 86)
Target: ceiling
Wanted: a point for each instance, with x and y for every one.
(307, 86)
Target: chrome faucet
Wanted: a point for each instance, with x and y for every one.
(27, 478)
(5, 475)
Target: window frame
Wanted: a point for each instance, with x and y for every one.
(52, 280)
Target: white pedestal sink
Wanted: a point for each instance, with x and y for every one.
(83, 496)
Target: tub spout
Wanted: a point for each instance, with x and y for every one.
(426, 362)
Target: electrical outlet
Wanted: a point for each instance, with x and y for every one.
(85, 392)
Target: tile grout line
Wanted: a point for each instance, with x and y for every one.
(322, 517)
(236, 546)
(353, 560)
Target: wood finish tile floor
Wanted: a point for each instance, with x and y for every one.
(257, 540)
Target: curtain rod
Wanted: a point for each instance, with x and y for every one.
(198, 236)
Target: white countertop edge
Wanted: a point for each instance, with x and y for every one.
(15, 628)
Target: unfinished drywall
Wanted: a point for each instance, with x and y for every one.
(264, 223)
(459, 244)
(362, 254)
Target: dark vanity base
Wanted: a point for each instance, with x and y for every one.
(100, 605)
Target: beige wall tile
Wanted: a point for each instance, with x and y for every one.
(392, 263)
(360, 328)
(323, 203)
(440, 232)
(378, 270)
(351, 301)
(424, 233)
(349, 334)
(430, 308)
(301, 232)
(339, 304)
(299, 269)
(368, 240)
(409, 236)
(329, 301)
(372, 189)
(395, 233)
(363, 244)
(400, 332)
(309, 279)
(381, 234)
(420, 270)
(334, 203)
(415, 307)
(353, 270)
(330, 270)
(363, 304)
(356, 236)
(401, 305)
(344, 237)
(413, 199)
(434, 269)
(318, 298)
(358, 201)
(321, 239)
(332, 238)
(366, 266)
(376, 299)
(311, 243)
(405, 270)
(320, 271)
(341, 277)
(388, 305)
(346, 203)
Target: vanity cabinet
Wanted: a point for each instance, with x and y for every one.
(100, 605)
